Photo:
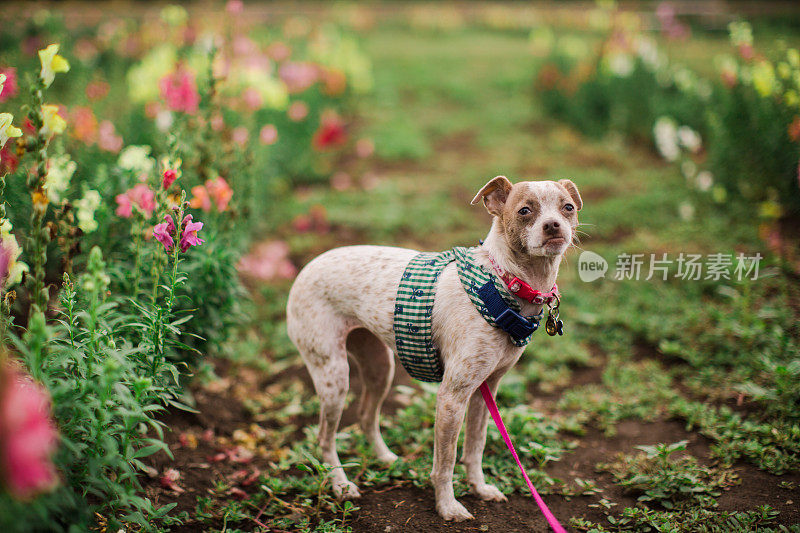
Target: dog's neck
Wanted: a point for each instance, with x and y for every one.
(540, 272)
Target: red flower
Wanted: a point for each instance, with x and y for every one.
(8, 159)
(170, 175)
(10, 87)
(331, 133)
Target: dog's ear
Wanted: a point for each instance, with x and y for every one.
(573, 192)
(494, 194)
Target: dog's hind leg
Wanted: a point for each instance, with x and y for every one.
(376, 364)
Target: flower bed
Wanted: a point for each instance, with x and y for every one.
(137, 159)
(735, 135)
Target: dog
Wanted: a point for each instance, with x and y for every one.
(343, 304)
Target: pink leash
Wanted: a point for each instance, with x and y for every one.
(492, 406)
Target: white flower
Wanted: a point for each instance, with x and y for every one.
(58, 176)
(9, 242)
(686, 211)
(705, 180)
(689, 139)
(648, 52)
(86, 207)
(164, 120)
(665, 133)
(7, 129)
(688, 168)
(620, 64)
(136, 159)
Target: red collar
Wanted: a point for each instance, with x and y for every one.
(522, 290)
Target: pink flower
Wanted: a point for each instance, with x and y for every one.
(10, 88)
(297, 111)
(163, 232)
(268, 134)
(234, 7)
(200, 198)
(217, 122)
(140, 196)
(107, 138)
(268, 261)
(364, 148)
(144, 198)
(179, 91)
(97, 90)
(220, 192)
(124, 206)
(169, 480)
(278, 51)
(5, 260)
(84, 124)
(298, 76)
(240, 135)
(189, 235)
(170, 175)
(28, 436)
(252, 98)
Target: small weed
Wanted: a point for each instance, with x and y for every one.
(671, 482)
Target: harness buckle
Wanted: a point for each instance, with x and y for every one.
(515, 324)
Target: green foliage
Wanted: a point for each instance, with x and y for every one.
(672, 482)
(697, 520)
(105, 402)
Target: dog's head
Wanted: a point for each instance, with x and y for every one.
(537, 218)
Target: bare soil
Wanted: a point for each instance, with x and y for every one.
(401, 507)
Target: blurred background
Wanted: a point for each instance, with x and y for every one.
(672, 403)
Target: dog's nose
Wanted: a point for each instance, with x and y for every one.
(551, 226)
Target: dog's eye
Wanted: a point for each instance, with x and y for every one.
(569, 207)
(524, 211)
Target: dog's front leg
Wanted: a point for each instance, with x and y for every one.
(451, 404)
(474, 442)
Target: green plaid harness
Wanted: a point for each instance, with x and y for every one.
(414, 307)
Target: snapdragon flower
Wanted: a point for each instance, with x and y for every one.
(51, 64)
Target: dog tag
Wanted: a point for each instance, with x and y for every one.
(550, 326)
(554, 326)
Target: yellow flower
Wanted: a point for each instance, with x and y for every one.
(51, 63)
(764, 78)
(794, 57)
(2, 81)
(770, 209)
(7, 130)
(52, 122)
(174, 15)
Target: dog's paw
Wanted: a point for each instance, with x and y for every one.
(489, 493)
(387, 457)
(453, 510)
(346, 490)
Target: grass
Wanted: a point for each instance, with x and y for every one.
(450, 111)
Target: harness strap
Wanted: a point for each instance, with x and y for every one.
(506, 318)
(492, 406)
